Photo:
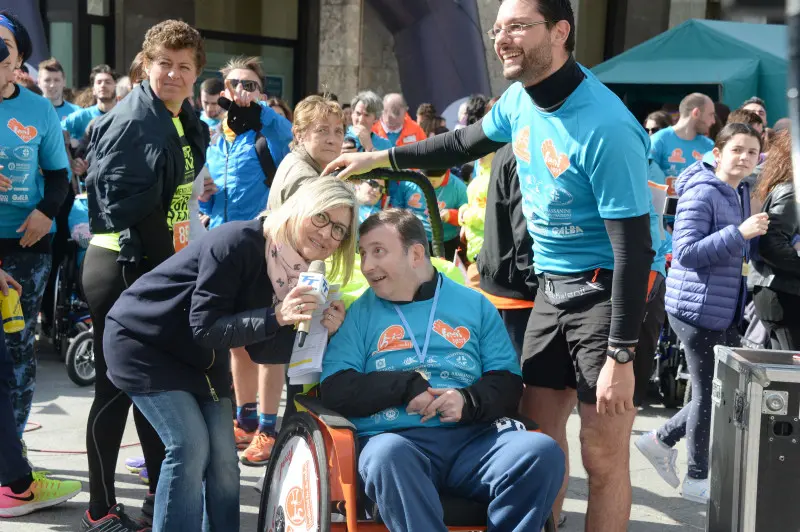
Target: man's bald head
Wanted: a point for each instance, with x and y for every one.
(699, 109)
(394, 110)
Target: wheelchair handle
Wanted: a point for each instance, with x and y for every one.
(437, 229)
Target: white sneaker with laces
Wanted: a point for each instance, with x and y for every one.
(695, 490)
(660, 456)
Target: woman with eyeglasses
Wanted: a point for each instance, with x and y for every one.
(657, 121)
(173, 329)
(318, 130)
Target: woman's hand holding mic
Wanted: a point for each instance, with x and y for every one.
(296, 307)
(754, 226)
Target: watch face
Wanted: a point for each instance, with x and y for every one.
(623, 356)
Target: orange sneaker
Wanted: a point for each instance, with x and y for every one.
(241, 436)
(259, 451)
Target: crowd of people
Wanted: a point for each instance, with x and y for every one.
(200, 214)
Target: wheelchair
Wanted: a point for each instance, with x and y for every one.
(71, 319)
(311, 482)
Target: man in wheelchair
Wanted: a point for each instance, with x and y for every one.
(424, 369)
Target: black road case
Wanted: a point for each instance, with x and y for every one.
(755, 442)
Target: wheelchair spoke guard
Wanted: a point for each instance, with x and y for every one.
(296, 494)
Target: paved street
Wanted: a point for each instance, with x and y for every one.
(61, 408)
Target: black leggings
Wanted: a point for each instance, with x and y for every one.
(102, 285)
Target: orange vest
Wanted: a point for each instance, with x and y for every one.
(410, 133)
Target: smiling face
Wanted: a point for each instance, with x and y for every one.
(52, 84)
(738, 157)
(317, 243)
(528, 56)
(389, 268)
(172, 75)
(368, 194)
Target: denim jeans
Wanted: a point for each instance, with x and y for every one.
(12, 465)
(199, 484)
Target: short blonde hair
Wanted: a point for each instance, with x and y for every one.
(174, 35)
(241, 62)
(311, 110)
(313, 197)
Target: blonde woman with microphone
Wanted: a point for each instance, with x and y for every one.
(173, 328)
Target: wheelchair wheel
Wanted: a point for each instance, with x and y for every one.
(80, 359)
(296, 493)
(58, 334)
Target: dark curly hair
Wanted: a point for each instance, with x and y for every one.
(174, 35)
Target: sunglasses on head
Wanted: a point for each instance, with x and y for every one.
(651, 130)
(247, 84)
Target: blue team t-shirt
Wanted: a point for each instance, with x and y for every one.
(66, 109)
(30, 141)
(673, 154)
(76, 123)
(451, 194)
(365, 211)
(467, 340)
(583, 163)
(378, 142)
(212, 122)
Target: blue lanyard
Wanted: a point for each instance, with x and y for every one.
(421, 354)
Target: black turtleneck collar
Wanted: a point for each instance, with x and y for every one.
(13, 94)
(550, 93)
(425, 291)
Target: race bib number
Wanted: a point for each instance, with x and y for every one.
(671, 187)
(180, 235)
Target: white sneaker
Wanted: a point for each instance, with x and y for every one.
(660, 456)
(695, 490)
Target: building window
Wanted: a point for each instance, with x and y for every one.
(61, 39)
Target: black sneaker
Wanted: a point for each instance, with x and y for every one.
(148, 507)
(116, 520)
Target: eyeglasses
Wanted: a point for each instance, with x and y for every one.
(651, 130)
(247, 84)
(376, 184)
(513, 30)
(338, 231)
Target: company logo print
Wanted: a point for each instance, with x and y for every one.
(677, 156)
(391, 339)
(556, 162)
(462, 360)
(458, 336)
(25, 133)
(521, 145)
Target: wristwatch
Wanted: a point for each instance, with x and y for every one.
(622, 355)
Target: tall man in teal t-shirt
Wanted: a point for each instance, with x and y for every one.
(675, 148)
(51, 81)
(424, 369)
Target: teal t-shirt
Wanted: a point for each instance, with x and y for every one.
(673, 154)
(212, 122)
(65, 109)
(451, 194)
(30, 141)
(585, 162)
(378, 142)
(76, 123)
(467, 339)
(365, 211)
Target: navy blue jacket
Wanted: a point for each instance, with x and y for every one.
(705, 286)
(174, 326)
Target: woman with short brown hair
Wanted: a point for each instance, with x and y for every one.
(318, 131)
(144, 157)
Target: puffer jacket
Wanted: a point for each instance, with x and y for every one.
(242, 191)
(705, 286)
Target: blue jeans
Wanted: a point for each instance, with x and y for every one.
(517, 473)
(31, 270)
(12, 465)
(199, 484)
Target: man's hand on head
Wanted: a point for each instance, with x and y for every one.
(448, 405)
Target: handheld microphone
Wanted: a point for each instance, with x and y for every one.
(315, 278)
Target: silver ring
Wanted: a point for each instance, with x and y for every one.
(298, 308)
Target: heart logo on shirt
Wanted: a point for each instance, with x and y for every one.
(458, 336)
(521, 145)
(557, 163)
(391, 339)
(677, 156)
(25, 133)
(697, 155)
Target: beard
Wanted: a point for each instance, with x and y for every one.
(535, 64)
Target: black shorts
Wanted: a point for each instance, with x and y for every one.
(566, 348)
(643, 364)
